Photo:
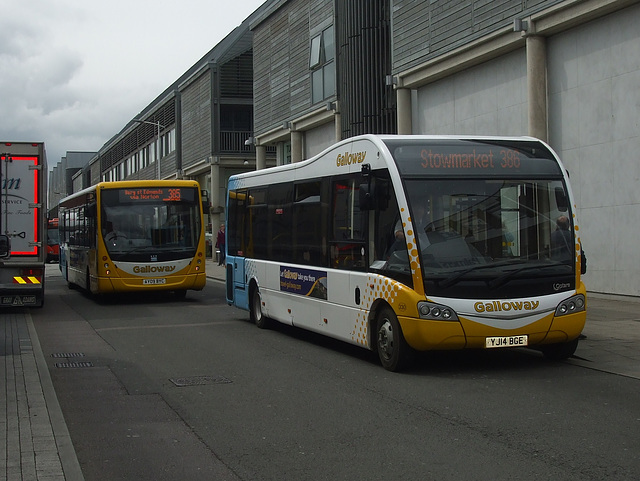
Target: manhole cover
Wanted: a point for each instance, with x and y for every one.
(74, 364)
(199, 380)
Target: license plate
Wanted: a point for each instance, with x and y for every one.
(153, 281)
(18, 300)
(506, 341)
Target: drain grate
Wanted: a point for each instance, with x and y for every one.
(199, 380)
(70, 364)
(74, 364)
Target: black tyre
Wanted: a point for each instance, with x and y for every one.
(180, 294)
(255, 308)
(394, 352)
(560, 351)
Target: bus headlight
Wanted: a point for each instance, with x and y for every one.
(569, 306)
(436, 312)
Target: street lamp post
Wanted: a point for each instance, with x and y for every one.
(158, 126)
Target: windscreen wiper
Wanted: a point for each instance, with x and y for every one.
(504, 278)
(453, 279)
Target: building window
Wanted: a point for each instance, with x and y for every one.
(322, 66)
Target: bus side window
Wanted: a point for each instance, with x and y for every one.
(390, 248)
(388, 251)
(279, 222)
(310, 219)
(347, 246)
(236, 237)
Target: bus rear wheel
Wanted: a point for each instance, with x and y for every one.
(255, 309)
(393, 350)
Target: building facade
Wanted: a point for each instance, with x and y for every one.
(566, 72)
(320, 69)
(60, 180)
(299, 75)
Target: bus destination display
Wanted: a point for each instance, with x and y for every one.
(473, 158)
(156, 194)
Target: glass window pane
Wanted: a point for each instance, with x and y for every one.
(317, 89)
(327, 40)
(348, 236)
(329, 79)
(314, 58)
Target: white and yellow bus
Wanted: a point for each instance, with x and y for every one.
(413, 243)
(134, 236)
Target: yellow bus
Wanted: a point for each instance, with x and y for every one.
(413, 243)
(134, 236)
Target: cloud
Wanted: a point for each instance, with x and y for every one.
(75, 72)
(36, 76)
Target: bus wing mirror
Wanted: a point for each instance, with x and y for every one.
(205, 201)
(91, 210)
(383, 195)
(5, 246)
(374, 196)
(366, 197)
(561, 200)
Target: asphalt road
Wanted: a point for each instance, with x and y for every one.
(159, 388)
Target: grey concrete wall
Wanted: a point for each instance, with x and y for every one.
(489, 99)
(594, 105)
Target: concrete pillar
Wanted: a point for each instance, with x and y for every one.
(261, 157)
(338, 126)
(296, 147)
(537, 86)
(405, 126)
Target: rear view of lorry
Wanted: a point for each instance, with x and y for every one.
(23, 225)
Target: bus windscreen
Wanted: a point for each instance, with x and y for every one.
(138, 222)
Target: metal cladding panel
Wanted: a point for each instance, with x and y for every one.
(363, 33)
(423, 30)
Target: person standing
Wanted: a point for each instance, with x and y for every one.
(221, 245)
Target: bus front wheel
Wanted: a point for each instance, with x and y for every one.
(560, 351)
(255, 309)
(393, 350)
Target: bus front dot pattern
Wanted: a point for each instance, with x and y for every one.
(377, 288)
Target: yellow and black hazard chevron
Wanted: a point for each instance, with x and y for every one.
(26, 280)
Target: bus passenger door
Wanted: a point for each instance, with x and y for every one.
(238, 237)
(237, 293)
(229, 279)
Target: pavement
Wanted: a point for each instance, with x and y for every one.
(38, 445)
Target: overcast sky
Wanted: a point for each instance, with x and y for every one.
(74, 72)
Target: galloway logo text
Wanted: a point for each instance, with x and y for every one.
(496, 306)
(153, 269)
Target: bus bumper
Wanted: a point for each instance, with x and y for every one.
(566, 328)
(426, 335)
(136, 284)
(19, 297)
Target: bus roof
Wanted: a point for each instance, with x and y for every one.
(381, 142)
